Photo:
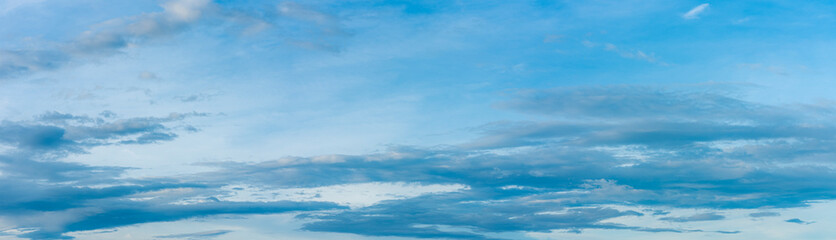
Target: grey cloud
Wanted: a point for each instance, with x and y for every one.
(407, 217)
(798, 221)
(566, 172)
(54, 197)
(695, 218)
(40, 144)
(644, 132)
(127, 213)
(547, 180)
(15, 62)
(32, 136)
(686, 181)
(631, 102)
(764, 214)
(656, 212)
(57, 131)
(709, 151)
(116, 213)
(39, 167)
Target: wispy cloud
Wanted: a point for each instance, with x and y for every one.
(107, 38)
(55, 197)
(634, 54)
(695, 218)
(632, 160)
(764, 214)
(798, 221)
(197, 235)
(614, 140)
(112, 36)
(10, 5)
(611, 145)
(626, 53)
(695, 12)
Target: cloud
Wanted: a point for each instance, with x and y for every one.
(799, 221)
(764, 214)
(11, 5)
(197, 235)
(593, 151)
(326, 27)
(633, 102)
(107, 38)
(607, 145)
(65, 132)
(407, 217)
(112, 36)
(13, 62)
(54, 197)
(657, 212)
(206, 96)
(626, 53)
(777, 70)
(37, 146)
(639, 117)
(143, 212)
(633, 54)
(696, 11)
(695, 218)
(148, 75)
(115, 34)
(114, 213)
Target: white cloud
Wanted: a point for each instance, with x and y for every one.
(632, 54)
(185, 10)
(696, 11)
(8, 6)
(352, 195)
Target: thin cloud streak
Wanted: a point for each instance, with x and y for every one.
(695, 12)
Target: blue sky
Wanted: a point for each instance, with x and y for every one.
(200, 119)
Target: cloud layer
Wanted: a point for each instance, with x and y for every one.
(631, 146)
(514, 136)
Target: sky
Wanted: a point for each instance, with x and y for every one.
(343, 119)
